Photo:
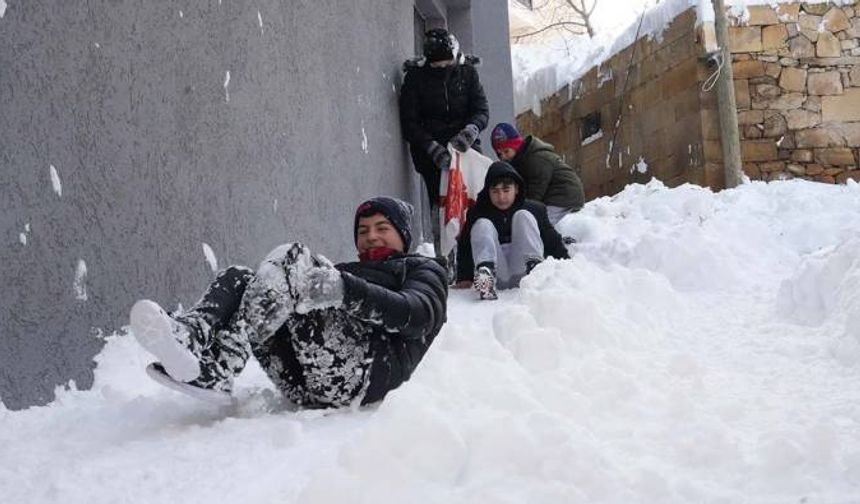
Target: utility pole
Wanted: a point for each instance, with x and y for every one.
(727, 106)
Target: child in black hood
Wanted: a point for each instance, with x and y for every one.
(505, 236)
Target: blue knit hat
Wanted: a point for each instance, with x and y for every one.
(506, 136)
(398, 212)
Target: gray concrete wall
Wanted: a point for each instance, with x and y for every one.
(491, 42)
(124, 147)
(155, 155)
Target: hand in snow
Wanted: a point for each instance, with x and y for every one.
(463, 140)
(440, 156)
(322, 287)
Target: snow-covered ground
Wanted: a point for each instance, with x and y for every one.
(698, 347)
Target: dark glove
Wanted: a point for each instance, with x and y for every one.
(440, 156)
(465, 138)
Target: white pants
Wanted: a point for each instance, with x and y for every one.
(555, 213)
(509, 258)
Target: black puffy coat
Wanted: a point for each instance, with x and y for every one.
(501, 219)
(436, 103)
(404, 298)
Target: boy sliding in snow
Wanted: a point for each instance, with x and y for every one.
(505, 236)
(327, 335)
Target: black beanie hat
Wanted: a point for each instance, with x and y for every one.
(398, 212)
(439, 45)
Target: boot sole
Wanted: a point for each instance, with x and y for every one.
(157, 372)
(151, 328)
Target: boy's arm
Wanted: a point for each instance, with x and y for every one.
(538, 173)
(410, 110)
(479, 108)
(416, 310)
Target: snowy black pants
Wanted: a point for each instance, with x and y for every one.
(317, 359)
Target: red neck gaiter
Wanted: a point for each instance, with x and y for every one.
(377, 254)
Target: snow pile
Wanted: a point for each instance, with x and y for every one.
(540, 70)
(698, 347)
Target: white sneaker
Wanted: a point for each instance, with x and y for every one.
(164, 338)
(156, 372)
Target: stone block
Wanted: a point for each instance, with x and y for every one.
(742, 94)
(793, 79)
(767, 91)
(802, 119)
(838, 156)
(801, 47)
(761, 15)
(747, 69)
(748, 117)
(850, 132)
(802, 156)
(809, 22)
(758, 150)
(752, 132)
(827, 179)
(812, 103)
(836, 20)
(845, 107)
(811, 35)
(795, 169)
(787, 101)
(814, 169)
(774, 126)
(815, 8)
(854, 31)
(773, 70)
(833, 171)
(819, 137)
(826, 83)
(774, 37)
(849, 44)
(845, 61)
(745, 39)
(772, 166)
(855, 76)
(850, 174)
(788, 13)
(752, 171)
(828, 46)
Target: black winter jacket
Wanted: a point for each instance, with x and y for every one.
(547, 177)
(501, 219)
(404, 298)
(436, 103)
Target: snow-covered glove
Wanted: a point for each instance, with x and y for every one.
(465, 138)
(321, 287)
(440, 155)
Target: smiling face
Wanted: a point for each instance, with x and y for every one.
(376, 231)
(503, 195)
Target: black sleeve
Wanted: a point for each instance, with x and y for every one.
(410, 114)
(416, 310)
(479, 109)
(552, 242)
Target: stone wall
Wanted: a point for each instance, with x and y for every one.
(797, 84)
(798, 71)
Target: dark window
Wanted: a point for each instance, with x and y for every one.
(590, 125)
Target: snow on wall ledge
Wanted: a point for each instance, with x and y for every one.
(541, 71)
